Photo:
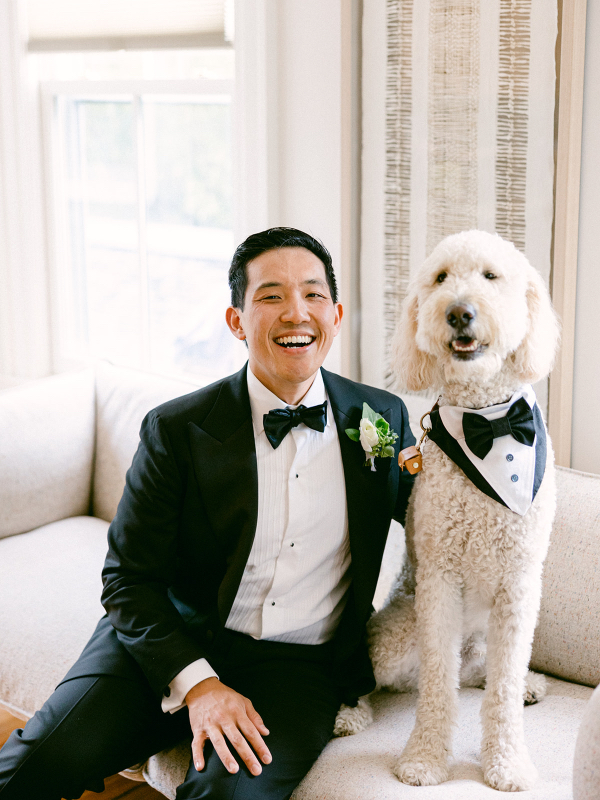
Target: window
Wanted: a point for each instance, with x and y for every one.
(142, 209)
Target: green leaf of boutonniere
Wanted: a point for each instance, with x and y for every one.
(369, 414)
(354, 434)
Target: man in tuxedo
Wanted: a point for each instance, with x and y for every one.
(242, 562)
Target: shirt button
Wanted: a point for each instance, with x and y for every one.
(273, 602)
(514, 478)
(292, 544)
(296, 474)
(509, 457)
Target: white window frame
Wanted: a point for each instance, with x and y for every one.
(60, 283)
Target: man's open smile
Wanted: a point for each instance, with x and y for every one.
(298, 341)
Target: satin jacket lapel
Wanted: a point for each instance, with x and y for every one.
(224, 455)
(370, 496)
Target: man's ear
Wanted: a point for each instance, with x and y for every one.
(233, 318)
(339, 312)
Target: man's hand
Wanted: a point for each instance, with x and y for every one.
(216, 712)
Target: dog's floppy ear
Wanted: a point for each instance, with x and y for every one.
(534, 357)
(413, 368)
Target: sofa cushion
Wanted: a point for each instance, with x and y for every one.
(359, 767)
(123, 398)
(50, 588)
(566, 640)
(46, 451)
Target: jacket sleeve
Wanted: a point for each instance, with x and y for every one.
(142, 560)
(406, 480)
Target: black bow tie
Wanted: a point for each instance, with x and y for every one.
(480, 432)
(280, 421)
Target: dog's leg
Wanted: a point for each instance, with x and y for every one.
(351, 719)
(438, 604)
(536, 687)
(393, 644)
(473, 667)
(505, 760)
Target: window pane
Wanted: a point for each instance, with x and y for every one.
(189, 235)
(103, 228)
(148, 189)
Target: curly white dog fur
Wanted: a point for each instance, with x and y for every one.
(464, 608)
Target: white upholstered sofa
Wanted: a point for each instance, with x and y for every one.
(65, 444)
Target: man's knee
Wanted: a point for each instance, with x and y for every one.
(89, 728)
(277, 781)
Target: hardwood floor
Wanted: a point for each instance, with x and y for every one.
(116, 786)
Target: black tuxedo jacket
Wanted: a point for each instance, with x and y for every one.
(186, 522)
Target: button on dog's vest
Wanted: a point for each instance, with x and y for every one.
(514, 478)
(509, 457)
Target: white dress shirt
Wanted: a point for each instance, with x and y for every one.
(295, 582)
(509, 467)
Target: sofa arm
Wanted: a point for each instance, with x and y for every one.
(46, 451)
(586, 768)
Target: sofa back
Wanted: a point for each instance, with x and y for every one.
(123, 398)
(567, 637)
(46, 451)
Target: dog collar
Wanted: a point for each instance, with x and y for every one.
(511, 473)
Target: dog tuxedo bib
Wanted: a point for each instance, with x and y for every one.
(501, 449)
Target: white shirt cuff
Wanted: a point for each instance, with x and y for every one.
(181, 684)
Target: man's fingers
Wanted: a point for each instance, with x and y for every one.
(221, 749)
(198, 750)
(253, 736)
(243, 748)
(256, 718)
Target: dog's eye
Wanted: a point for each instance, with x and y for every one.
(489, 275)
(441, 277)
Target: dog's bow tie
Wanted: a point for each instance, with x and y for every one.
(279, 422)
(480, 432)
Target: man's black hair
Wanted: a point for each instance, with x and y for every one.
(273, 239)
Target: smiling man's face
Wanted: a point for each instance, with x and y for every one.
(287, 296)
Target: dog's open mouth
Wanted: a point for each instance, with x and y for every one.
(465, 348)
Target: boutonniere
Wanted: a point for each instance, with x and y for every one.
(375, 435)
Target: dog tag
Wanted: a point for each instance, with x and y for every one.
(410, 458)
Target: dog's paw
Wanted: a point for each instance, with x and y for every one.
(536, 687)
(509, 776)
(417, 771)
(352, 720)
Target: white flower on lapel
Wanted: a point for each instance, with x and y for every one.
(368, 435)
(375, 435)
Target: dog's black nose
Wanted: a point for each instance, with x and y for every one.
(460, 315)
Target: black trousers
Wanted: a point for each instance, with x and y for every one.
(94, 726)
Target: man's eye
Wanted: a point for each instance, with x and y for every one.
(490, 276)
(441, 277)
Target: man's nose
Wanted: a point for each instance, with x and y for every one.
(295, 310)
(460, 315)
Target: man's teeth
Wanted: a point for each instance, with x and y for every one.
(465, 347)
(297, 340)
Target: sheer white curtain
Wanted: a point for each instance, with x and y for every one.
(24, 324)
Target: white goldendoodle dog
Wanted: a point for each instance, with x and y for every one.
(478, 328)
